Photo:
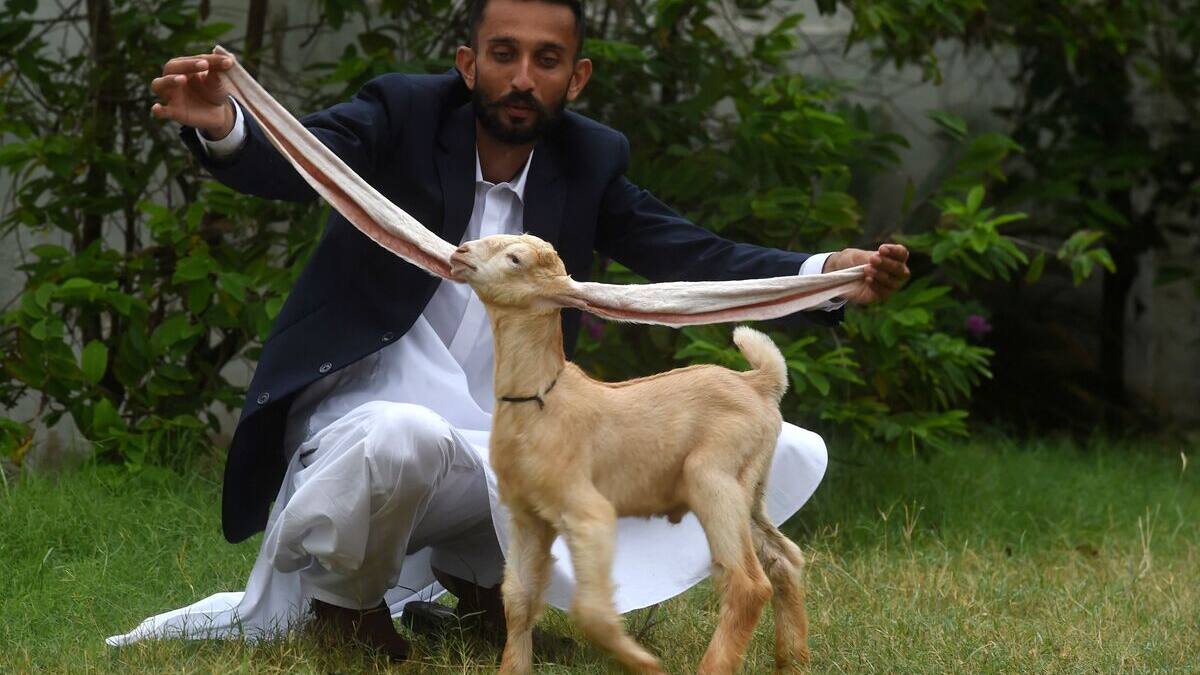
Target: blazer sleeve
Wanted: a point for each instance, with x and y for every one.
(639, 231)
(355, 130)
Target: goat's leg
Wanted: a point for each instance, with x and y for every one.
(526, 573)
(783, 562)
(589, 524)
(722, 506)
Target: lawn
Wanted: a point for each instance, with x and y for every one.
(997, 557)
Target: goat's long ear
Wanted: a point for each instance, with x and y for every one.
(685, 303)
(372, 213)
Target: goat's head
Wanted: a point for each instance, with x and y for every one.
(512, 271)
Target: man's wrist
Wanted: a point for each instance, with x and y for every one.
(232, 142)
(831, 262)
(226, 127)
(817, 263)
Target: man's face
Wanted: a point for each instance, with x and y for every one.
(523, 71)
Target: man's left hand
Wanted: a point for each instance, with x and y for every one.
(887, 270)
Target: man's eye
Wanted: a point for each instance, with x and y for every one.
(515, 260)
(549, 61)
(503, 55)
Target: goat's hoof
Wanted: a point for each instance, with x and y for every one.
(647, 665)
(785, 665)
(790, 657)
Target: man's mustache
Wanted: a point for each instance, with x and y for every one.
(521, 98)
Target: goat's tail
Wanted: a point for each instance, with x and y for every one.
(770, 375)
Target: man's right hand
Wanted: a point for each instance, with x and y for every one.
(192, 93)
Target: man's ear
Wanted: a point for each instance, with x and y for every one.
(579, 78)
(464, 60)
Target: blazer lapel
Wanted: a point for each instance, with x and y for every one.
(544, 194)
(455, 159)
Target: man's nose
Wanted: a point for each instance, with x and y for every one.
(521, 80)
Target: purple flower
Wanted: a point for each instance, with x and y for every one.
(978, 326)
(593, 326)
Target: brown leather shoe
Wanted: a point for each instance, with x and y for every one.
(371, 628)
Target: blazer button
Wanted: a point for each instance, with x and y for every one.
(263, 398)
(388, 336)
(325, 367)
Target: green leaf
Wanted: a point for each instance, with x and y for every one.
(16, 154)
(272, 307)
(913, 316)
(122, 302)
(819, 382)
(193, 268)
(952, 124)
(43, 295)
(234, 284)
(1034, 273)
(975, 198)
(198, 296)
(94, 361)
(106, 419)
(50, 251)
(76, 287)
(175, 329)
(1102, 257)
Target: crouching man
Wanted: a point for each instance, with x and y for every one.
(366, 423)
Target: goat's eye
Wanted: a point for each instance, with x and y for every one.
(515, 260)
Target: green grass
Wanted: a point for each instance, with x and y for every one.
(995, 558)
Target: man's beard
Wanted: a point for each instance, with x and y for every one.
(489, 113)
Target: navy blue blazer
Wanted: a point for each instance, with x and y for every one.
(413, 138)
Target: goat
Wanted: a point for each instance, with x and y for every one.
(572, 454)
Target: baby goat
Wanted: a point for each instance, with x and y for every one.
(572, 454)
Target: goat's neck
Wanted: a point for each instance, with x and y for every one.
(529, 350)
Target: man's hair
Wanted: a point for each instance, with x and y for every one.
(576, 6)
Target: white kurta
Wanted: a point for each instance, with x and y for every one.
(444, 364)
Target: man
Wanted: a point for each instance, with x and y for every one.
(367, 417)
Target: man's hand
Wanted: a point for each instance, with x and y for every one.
(192, 93)
(887, 270)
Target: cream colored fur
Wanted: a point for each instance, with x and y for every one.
(696, 439)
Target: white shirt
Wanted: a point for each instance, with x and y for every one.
(454, 313)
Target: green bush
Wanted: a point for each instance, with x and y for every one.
(161, 278)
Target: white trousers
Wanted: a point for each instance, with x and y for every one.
(386, 480)
(376, 499)
(390, 479)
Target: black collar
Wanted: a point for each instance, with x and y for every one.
(536, 397)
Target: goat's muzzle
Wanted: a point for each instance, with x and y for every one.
(459, 261)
